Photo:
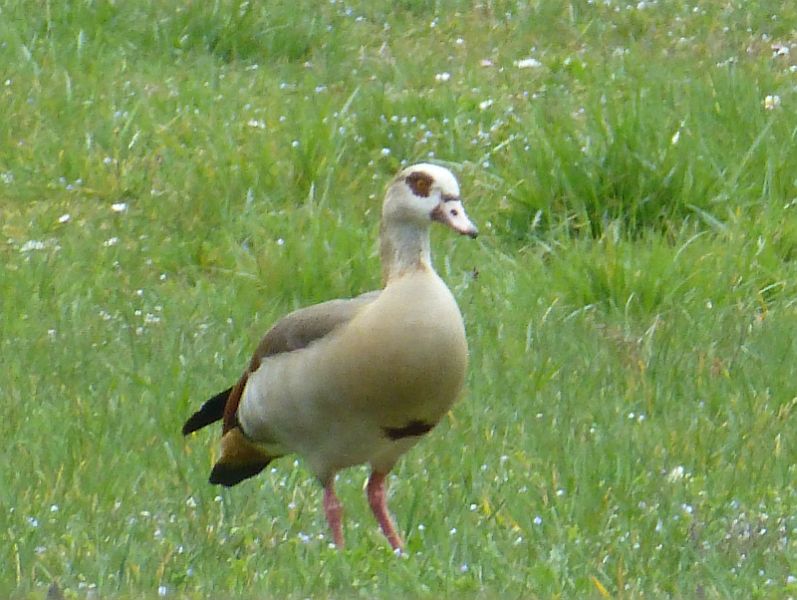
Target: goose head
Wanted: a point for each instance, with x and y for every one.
(426, 193)
(419, 196)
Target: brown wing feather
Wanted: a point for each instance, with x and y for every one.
(293, 332)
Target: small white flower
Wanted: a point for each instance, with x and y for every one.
(527, 63)
(676, 474)
(107, 161)
(459, 41)
(119, 207)
(256, 123)
(32, 245)
(7, 177)
(64, 218)
(485, 104)
(485, 62)
(280, 242)
(771, 102)
(385, 152)
(453, 531)
(111, 242)
(780, 50)
(444, 76)
(463, 568)
(791, 579)
(295, 144)
(675, 137)
(538, 520)
(162, 590)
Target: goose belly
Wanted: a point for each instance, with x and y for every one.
(395, 365)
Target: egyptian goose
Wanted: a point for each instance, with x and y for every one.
(360, 380)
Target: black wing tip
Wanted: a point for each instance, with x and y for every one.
(230, 475)
(194, 423)
(210, 412)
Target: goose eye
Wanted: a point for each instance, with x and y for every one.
(454, 212)
(420, 183)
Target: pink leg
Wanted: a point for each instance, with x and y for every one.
(377, 498)
(334, 512)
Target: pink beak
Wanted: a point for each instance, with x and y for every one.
(452, 213)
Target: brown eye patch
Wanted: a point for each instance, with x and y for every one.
(420, 183)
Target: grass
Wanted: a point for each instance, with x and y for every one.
(174, 176)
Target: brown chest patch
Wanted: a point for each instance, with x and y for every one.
(411, 429)
(420, 183)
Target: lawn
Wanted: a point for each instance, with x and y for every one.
(175, 175)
